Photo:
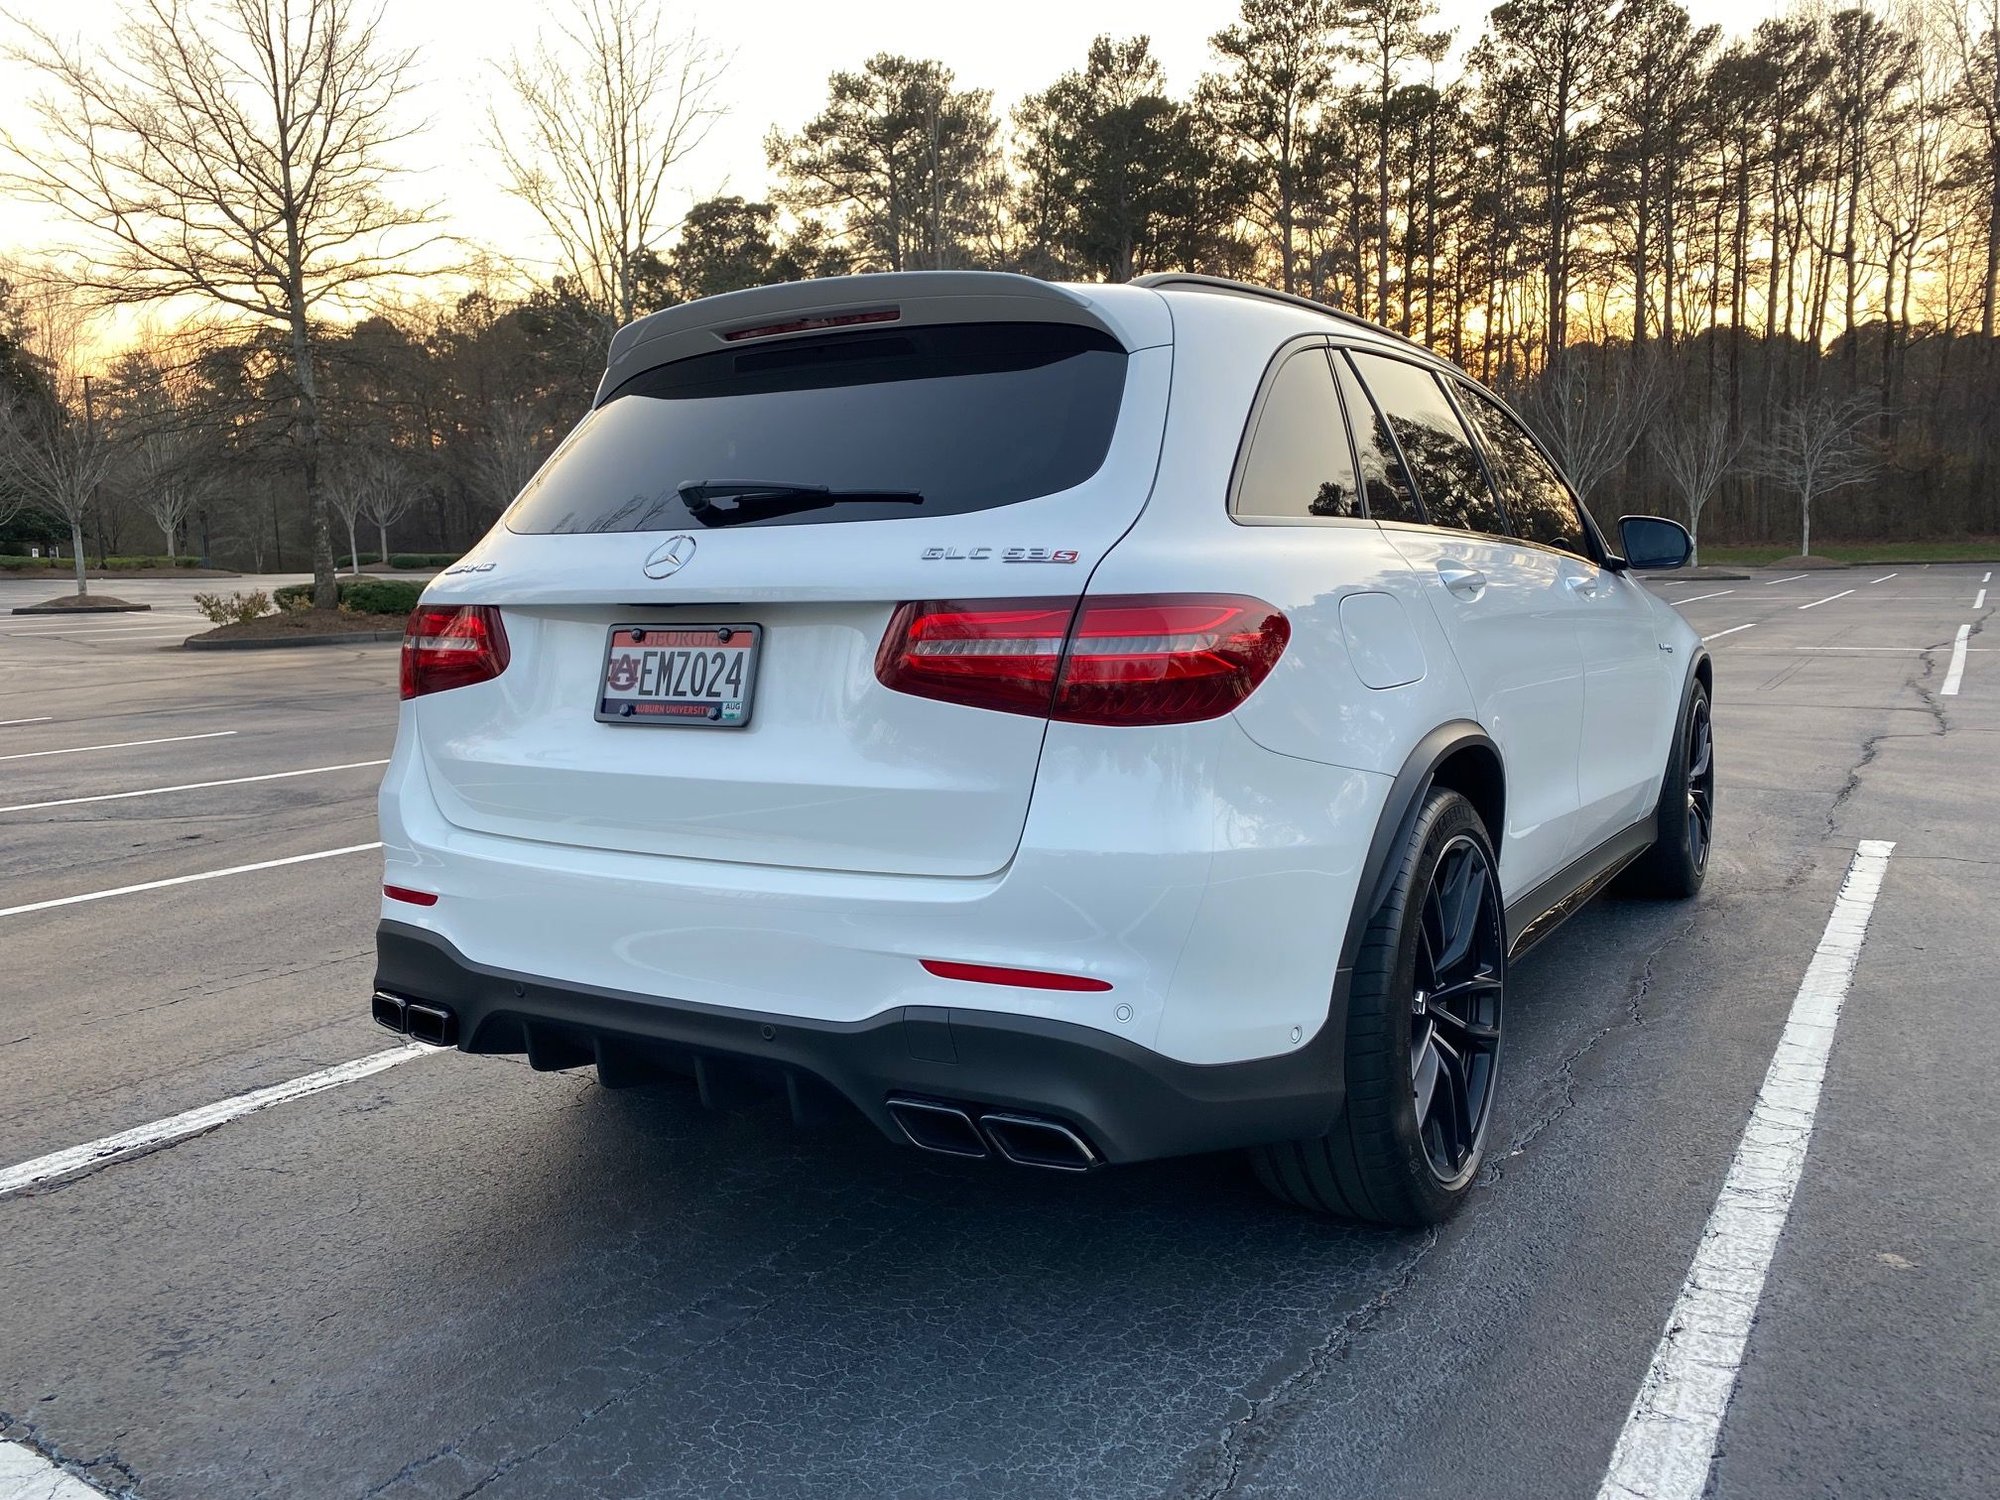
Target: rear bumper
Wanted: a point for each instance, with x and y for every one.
(1130, 1103)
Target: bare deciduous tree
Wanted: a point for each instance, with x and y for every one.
(235, 151)
(1697, 451)
(386, 494)
(606, 109)
(509, 451)
(53, 453)
(1592, 409)
(1816, 446)
(163, 437)
(346, 485)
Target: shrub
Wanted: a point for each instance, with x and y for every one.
(233, 609)
(379, 596)
(359, 596)
(422, 559)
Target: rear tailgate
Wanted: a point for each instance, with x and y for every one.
(832, 770)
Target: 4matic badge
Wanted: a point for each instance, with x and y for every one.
(1006, 554)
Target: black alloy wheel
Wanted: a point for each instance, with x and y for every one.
(1700, 784)
(1455, 1006)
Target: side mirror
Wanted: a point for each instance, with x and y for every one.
(1654, 542)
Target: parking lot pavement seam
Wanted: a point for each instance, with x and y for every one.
(33, 1468)
(1217, 1471)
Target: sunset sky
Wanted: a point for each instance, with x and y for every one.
(782, 50)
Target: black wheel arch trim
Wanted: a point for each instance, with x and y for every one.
(1399, 816)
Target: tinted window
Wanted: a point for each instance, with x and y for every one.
(1299, 464)
(1446, 467)
(966, 416)
(1391, 497)
(1539, 504)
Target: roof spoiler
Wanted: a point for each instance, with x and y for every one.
(796, 309)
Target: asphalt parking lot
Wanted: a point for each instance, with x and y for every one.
(455, 1276)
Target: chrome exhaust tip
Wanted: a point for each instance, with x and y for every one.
(943, 1128)
(1030, 1142)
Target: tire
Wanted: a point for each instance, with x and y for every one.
(1674, 868)
(1400, 1154)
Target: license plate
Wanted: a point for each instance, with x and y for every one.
(698, 675)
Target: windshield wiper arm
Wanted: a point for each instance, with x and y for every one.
(757, 499)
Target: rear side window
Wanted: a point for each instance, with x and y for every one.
(1298, 465)
(888, 424)
(1449, 476)
(1539, 504)
(1391, 496)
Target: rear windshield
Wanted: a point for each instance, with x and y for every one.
(874, 426)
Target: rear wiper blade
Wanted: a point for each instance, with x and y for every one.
(758, 499)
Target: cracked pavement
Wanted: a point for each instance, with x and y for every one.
(464, 1278)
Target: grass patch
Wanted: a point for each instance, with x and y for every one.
(1964, 549)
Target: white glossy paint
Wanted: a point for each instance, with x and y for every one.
(172, 739)
(1668, 1441)
(1955, 673)
(26, 1475)
(805, 865)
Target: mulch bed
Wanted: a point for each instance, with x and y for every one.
(304, 622)
(80, 604)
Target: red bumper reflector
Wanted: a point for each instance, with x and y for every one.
(1026, 979)
(415, 898)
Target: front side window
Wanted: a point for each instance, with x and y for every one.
(1538, 502)
(930, 420)
(1441, 459)
(1298, 465)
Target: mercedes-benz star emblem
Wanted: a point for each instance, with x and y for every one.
(670, 556)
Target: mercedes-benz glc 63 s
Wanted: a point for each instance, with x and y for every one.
(1071, 724)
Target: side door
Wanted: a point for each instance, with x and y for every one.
(1631, 678)
(1506, 609)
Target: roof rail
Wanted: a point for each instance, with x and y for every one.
(1197, 282)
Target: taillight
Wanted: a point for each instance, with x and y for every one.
(450, 646)
(1125, 659)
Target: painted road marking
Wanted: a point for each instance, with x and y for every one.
(1827, 600)
(1699, 597)
(1986, 577)
(1957, 668)
(26, 1475)
(1792, 578)
(1730, 631)
(1883, 579)
(1668, 1443)
(155, 885)
(1980, 601)
(172, 739)
(191, 786)
(143, 1138)
(43, 719)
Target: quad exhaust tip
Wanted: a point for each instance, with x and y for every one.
(434, 1025)
(1025, 1140)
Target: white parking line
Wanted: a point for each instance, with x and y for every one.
(1730, 631)
(26, 1475)
(43, 719)
(190, 786)
(143, 1138)
(1789, 578)
(1956, 670)
(1668, 1442)
(1986, 577)
(1883, 579)
(172, 739)
(1699, 597)
(1827, 600)
(1980, 601)
(155, 885)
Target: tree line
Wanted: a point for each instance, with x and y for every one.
(1757, 269)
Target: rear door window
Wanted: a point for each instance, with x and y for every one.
(1298, 466)
(1539, 504)
(887, 424)
(1391, 495)
(1449, 475)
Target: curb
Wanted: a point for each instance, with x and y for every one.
(269, 643)
(81, 609)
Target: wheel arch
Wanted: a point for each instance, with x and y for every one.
(1458, 754)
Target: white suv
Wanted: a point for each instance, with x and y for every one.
(1072, 724)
